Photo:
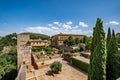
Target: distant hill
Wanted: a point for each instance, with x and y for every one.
(37, 36)
(8, 40)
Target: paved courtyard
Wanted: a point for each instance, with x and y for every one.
(68, 73)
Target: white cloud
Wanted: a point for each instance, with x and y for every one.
(113, 23)
(69, 22)
(75, 27)
(57, 27)
(50, 25)
(83, 24)
(66, 26)
(56, 23)
(43, 30)
(54, 27)
(52, 31)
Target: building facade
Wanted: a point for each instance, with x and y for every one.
(39, 42)
(60, 38)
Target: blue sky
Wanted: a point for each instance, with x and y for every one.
(54, 16)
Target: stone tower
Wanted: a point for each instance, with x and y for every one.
(23, 51)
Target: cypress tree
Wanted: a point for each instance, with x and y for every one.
(111, 58)
(108, 37)
(97, 69)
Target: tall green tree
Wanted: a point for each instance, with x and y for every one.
(111, 58)
(97, 69)
(108, 37)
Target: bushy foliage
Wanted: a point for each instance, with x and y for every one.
(1, 48)
(8, 40)
(88, 43)
(70, 41)
(80, 64)
(53, 44)
(38, 49)
(118, 45)
(76, 50)
(56, 66)
(77, 41)
(8, 68)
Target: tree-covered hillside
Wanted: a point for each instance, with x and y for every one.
(37, 36)
(8, 40)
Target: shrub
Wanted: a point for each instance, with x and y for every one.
(84, 55)
(76, 50)
(119, 45)
(80, 64)
(56, 66)
(61, 51)
(67, 56)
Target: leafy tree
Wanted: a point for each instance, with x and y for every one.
(1, 48)
(88, 43)
(8, 68)
(77, 41)
(48, 50)
(70, 41)
(84, 39)
(97, 69)
(53, 44)
(65, 42)
(56, 66)
(108, 37)
(111, 58)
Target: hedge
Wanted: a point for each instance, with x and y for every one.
(119, 45)
(80, 64)
(84, 55)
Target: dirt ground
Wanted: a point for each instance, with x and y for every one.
(68, 72)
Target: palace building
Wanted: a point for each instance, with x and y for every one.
(59, 38)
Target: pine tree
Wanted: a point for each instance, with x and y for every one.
(108, 37)
(97, 69)
(111, 58)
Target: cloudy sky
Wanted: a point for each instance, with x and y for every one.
(57, 16)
